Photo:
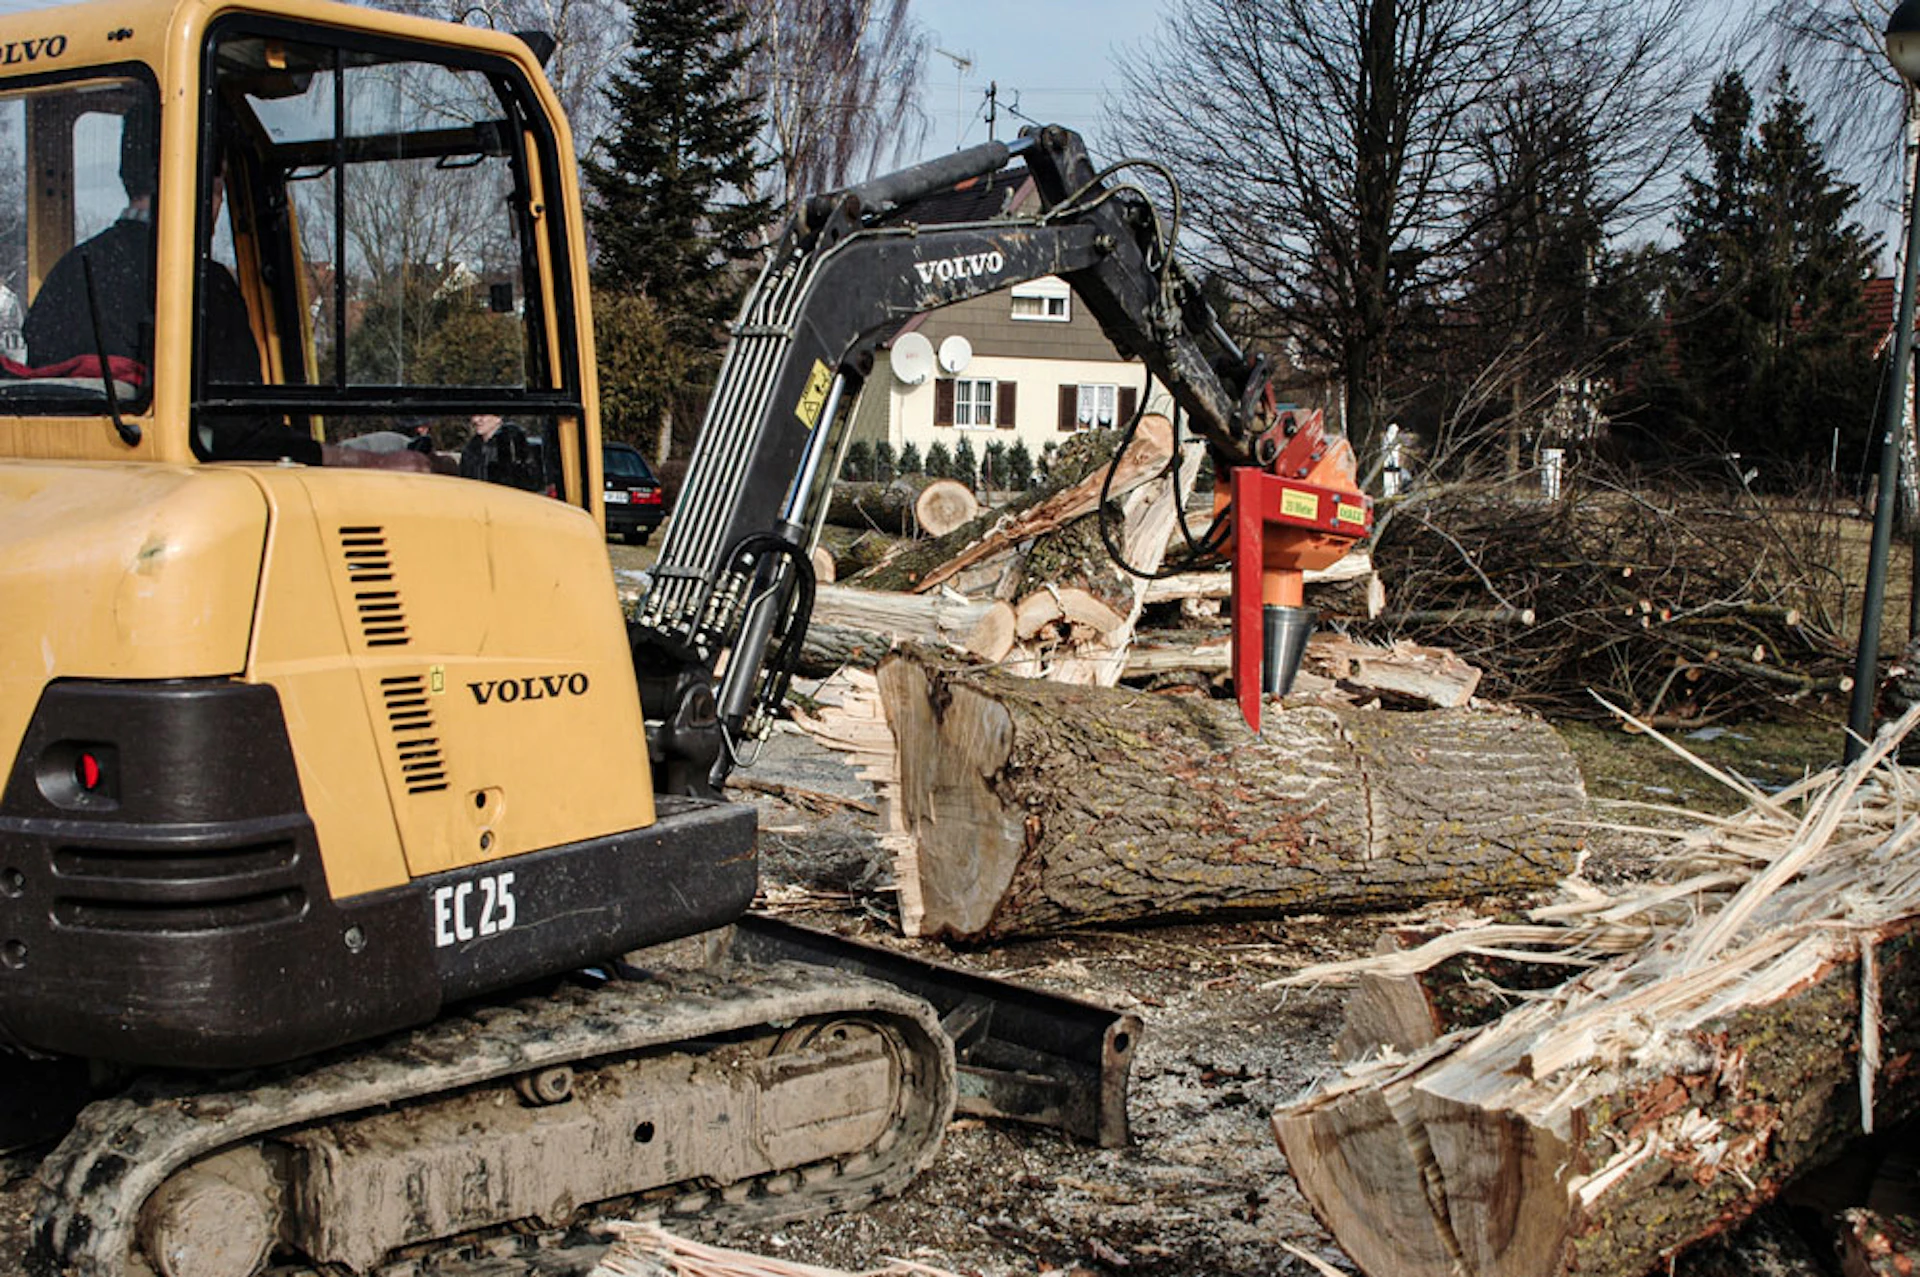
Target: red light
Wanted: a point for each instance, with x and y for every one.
(86, 770)
(648, 498)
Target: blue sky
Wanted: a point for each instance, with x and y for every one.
(1052, 57)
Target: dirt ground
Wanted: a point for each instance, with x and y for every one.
(1203, 1188)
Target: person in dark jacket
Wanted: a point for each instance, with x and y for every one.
(500, 452)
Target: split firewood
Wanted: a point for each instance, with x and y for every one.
(1030, 806)
(824, 570)
(1767, 1013)
(1406, 671)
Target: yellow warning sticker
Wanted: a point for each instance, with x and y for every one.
(814, 397)
(1350, 513)
(1295, 504)
(437, 679)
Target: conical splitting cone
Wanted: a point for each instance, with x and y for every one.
(1286, 634)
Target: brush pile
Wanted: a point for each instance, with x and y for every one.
(1684, 607)
(1735, 1025)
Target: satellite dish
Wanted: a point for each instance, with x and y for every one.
(956, 352)
(911, 358)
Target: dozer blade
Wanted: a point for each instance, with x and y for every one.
(1021, 1053)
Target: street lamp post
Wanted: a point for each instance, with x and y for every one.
(1903, 50)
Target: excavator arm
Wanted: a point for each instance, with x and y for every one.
(733, 578)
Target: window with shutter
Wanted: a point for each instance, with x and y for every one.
(1069, 408)
(1129, 400)
(973, 403)
(943, 402)
(1003, 410)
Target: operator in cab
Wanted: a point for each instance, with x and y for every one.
(81, 312)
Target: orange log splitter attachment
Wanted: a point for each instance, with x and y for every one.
(1304, 510)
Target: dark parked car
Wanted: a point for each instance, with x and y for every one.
(635, 504)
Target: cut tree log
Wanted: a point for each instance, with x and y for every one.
(887, 507)
(1032, 806)
(943, 505)
(856, 622)
(1769, 1014)
(824, 569)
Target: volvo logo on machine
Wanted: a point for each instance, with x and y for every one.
(14, 52)
(536, 687)
(963, 266)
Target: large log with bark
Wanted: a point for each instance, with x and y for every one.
(1031, 806)
(1768, 1013)
(902, 506)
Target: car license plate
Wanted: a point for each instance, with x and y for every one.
(616, 497)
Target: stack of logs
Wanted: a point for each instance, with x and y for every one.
(1032, 589)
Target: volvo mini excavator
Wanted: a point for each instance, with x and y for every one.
(340, 793)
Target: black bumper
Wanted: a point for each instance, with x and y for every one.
(631, 518)
(183, 918)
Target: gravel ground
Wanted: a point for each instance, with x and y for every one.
(1203, 1188)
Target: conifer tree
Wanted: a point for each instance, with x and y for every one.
(883, 464)
(939, 461)
(966, 466)
(910, 462)
(1019, 466)
(1768, 299)
(671, 214)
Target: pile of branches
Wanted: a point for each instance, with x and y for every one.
(1680, 604)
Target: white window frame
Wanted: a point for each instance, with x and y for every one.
(1086, 414)
(967, 407)
(1054, 295)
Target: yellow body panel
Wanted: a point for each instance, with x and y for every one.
(473, 616)
(532, 734)
(122, 572)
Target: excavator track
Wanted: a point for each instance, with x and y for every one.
(764, 1093)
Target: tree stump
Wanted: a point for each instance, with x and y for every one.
(1034, 806)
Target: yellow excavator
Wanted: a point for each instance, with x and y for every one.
(339, 791)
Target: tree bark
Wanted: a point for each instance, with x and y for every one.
(1032, 806)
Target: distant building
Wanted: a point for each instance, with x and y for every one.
(1028, 362)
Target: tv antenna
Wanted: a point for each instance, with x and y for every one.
(962, 63)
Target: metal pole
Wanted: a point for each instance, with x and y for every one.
(1886, 495)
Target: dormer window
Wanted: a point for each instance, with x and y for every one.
(1046, 299)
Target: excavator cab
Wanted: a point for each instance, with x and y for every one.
(300, 744)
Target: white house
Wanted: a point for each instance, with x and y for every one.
(1028, 362)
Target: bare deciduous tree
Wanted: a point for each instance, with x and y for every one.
(1333, 153)
(589, 41)
(838, 81)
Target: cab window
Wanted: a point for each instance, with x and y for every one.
(376, 209)
(78, 177)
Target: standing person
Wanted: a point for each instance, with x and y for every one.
(500, 452)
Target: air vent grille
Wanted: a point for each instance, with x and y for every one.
(415, 738)
(383, 621)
